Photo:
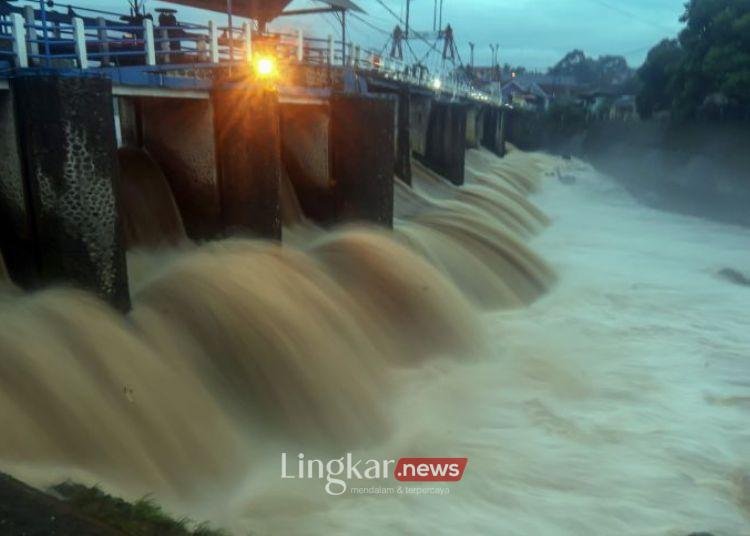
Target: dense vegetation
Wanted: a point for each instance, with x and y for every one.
(705, 72)
(601, 72)
(141, 518)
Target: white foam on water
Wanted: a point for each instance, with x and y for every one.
(618, 404)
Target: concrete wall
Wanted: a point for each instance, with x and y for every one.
(16, 234)
(362, 160)
(419, 122)
(495, 126)
(446, 140)
(222, 157)
(698, 169)
(340, 157)
(503, 126)
(248, 158)
(403, 137)
(530, 130)
(179, 135)
(438, 135)
(702, 169)
(489, 132)
(305, 153)
(474, 126)
(65, 126)
(402, 122)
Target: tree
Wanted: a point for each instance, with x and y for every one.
(612, 70)
(576, 65)
(508, 70)
(604, 71)
(565, 117)
(717, 54)
(657, 77)
(710, 63)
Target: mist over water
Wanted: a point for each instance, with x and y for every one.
(615, 404)
(589, 364)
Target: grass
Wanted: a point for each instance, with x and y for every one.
(141, 518)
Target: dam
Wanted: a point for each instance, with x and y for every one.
(195, 108)
(235, 261)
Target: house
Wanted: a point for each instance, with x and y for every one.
(487, 74)
(555, 87)
(487, 79)
(525, 95)
(609, 103)
(624, 109)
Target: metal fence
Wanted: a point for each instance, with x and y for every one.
(76, 40)
(7, 52)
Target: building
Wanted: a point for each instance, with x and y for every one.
(555, 87)
(624, 109)
(525, 95)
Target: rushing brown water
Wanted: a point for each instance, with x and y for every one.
(238, 348)
(149, 212)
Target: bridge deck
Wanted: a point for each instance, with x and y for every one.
(136, 53)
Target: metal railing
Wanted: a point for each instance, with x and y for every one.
(7, 52)
(96, 42)
(14, 41)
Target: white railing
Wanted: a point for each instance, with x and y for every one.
(19, 40)
(105, 43)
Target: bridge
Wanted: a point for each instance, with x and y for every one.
(224, 110)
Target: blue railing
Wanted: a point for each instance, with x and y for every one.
(6, 41)
(84, 38)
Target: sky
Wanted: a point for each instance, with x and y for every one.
(532, 33)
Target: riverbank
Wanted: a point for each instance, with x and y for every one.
(700, 169)
(70, 509)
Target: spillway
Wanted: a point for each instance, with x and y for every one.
(238, 346)
(571, 343)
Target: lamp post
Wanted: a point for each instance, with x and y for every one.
(231, 33)
(408, 7)
(45, 36)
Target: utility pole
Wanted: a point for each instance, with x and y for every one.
(495, 54)
(440, 22)
(137, 7)
(343, 37)
(231, 32)
(497, 76)
(471, 61)
(408, 6)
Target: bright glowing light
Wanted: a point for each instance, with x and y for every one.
(265, 67)
(437, 83)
